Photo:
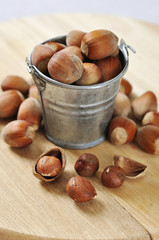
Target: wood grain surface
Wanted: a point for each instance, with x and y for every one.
(31, 209)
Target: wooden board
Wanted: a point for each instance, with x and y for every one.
(30, 209)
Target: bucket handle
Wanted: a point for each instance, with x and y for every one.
(124, 46)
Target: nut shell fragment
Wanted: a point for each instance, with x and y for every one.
(131, 167)
(56, 152)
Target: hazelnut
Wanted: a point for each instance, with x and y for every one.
(151, 118)
(115, 53)
(80, 189)
(125, 87)
(65, 67)
(33, 92)
(113, 176)
(74, 38)
(40, 57)
(145, 103)
(75, 50)
(86, 165)
(15, 82)
(99, 44)
(147, 138)
(30, 110)
(122, 106)
(121, 130)
(18, 133)
(50, 164)
(110, 67)
(91, 75)
(10, 101)
(131, 167)
(55, 46)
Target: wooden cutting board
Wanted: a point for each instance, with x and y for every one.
(31, 209)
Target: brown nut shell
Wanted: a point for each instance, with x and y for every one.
(33, 92)
(110, 67)
(55, 46)
(15, 82)
(80, 189)
(115, 53)
(40, 57)
(74, 38)
(30, 110)
(18, 133)
(56, 152)
(99, 44)
(122, 106)
(151, 118)
(121, 130)
(75, 50)
(131, 167)
(145, 103)
(10, 101)
(65, 67)
(125, 87)
(147, 138)
(91, 75)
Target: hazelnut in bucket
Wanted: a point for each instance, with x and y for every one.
(78, 77)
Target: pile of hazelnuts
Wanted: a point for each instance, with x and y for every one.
(82, 59)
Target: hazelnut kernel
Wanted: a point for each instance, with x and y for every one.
(113, 176)
(86, 165)
(80, 189)
(48, 166)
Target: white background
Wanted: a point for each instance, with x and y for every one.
(147, 10)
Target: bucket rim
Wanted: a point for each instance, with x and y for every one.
(34, 70)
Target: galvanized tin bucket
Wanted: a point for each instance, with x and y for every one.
(77, 117)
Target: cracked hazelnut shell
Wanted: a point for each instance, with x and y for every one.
(46, 165)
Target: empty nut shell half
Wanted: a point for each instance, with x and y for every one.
(57, 153)
(131, 167)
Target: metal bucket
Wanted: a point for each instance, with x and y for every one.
(77, 117)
